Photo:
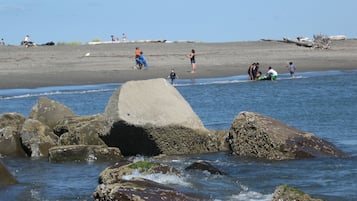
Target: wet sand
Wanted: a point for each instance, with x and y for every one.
(32, 67)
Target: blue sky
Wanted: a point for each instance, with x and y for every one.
(198, 20)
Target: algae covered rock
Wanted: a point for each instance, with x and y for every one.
(285, 192)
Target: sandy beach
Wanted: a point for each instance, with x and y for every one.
(22, 67)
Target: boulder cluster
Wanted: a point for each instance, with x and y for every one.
(148, 118)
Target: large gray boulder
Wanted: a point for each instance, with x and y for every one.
(10, 126)
(258, 136)
(150, 117)
(154, 102)
(49, 111)
(37, 138)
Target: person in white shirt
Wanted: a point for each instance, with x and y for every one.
(272, 74)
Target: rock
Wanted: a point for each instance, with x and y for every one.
(81, 130)
(37, 138)
(204, 166)
(254, 135)
(150, 117)
(6, 177)
(285, 192)
(114, 187)
(87, 153)
(50, 112)
(139, 189)
(10, 126)
(115, 172)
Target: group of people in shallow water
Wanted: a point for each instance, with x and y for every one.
(253, 70)
(255, 74)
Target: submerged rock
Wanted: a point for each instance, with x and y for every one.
(204, 166)
(6, 177)
(10, 126)
(285, 192)
(89, 153)
(150, 117)
(258, 136)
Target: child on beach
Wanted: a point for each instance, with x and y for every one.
(292, 69)
(172, 76)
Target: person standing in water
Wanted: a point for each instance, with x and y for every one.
(192, 58)
(292, 69)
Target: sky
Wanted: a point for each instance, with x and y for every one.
(174, 20)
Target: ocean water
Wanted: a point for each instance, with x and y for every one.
(323, 103)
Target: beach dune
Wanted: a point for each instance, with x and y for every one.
(39, 66)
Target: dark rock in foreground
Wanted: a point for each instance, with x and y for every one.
(285, 192)
(257, 136)
(204, 166)
(6, 177)
(114, 187)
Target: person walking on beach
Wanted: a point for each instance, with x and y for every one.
(292, 69)
(191, 56)
(172, 76)
(2, 42)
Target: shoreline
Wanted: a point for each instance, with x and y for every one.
(224, 78)
(67, 65)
